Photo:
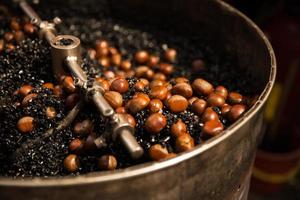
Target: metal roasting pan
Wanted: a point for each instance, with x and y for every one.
(218, 169)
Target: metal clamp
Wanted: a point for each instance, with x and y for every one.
(47, 30)
(65, 49)
(95, 94)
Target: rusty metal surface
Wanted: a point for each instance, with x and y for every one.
(217, 169)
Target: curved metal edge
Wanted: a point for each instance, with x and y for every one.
(151, 167)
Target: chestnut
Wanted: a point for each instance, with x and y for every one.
(25, 89)
(235, 98)
(236, 112)
(142, 57)
(158, 92)
(119, 85)
(125, 65)
(76, 146)
(83, 128)
(107, 162)
(177, 103)
(158, 152)
(209, 114)
(155, 105)
(155, 123)
(68, 84)
(202, 87)
(184, 142)
(115, 99)
(170, 55)
(198, 106)
(29, 98)
(215, 100)
(178, 128)
(71, 163)
(212, 127)
(183, 89)
(26, 124)
(50, 112)
(137, 103)
(222, 91)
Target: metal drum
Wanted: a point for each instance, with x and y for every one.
(218, 169)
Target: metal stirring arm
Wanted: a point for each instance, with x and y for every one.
(34, 17)
(66, 53)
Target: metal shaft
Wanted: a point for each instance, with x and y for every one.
(103, 107)
(75, 69)
(48, 34)
(34, 17)
(123, 131)
(129, 141)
